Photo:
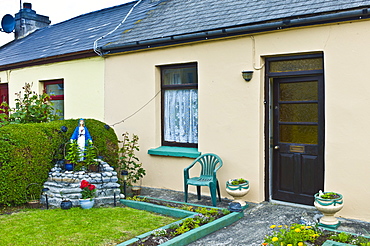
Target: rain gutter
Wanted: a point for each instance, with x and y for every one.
(48, 60)
(235, 31)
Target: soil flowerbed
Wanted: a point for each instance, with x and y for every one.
(299, 234)
(202, 216)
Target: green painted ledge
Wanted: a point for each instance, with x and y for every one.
(173, 212)
(332, 243)
(189, 236)
(175, 151)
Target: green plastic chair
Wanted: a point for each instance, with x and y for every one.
(210, 163)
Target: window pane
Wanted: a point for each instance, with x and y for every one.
(306, 91)
(181, 116)
(180, 76)
(299, 112)
(54, 89)
(301, 134)
(59, 105)
(296, 65)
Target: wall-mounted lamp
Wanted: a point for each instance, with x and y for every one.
(247, 75)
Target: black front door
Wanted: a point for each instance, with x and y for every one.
(297, 146)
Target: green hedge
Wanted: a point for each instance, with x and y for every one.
(28, 151)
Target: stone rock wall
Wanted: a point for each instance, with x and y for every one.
(68, 183)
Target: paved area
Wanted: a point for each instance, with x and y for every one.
(251, 229)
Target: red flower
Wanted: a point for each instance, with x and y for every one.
(84, 184)
(91, 187)
(88, 190)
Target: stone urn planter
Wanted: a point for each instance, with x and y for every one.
(238, 188)
(87, 203)
(328, 203)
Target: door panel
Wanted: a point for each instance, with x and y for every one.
(309, 172)
(297, 166)
(286, 172)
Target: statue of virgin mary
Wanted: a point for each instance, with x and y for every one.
(82, 135)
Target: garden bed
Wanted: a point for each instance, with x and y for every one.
(165, 235)
(299, 234)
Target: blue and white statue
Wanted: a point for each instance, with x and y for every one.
(82, 136)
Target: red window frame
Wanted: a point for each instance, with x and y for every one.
(53, 82)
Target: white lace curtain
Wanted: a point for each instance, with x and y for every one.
(181, 116)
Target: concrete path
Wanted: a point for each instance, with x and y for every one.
(252, 228)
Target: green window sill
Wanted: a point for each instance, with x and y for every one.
(175, 151)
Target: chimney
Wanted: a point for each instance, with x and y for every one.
(27, 21)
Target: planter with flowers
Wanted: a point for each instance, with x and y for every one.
(88, 194)
(237, 188)
(328, 203)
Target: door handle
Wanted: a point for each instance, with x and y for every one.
(276, 147)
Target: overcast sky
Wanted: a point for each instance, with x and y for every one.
(57, 10)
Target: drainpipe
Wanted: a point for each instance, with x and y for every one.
(233, 31)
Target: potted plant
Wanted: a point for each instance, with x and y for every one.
(33, 193)
(237, 188)
(90, 158)
(65, 204)
(328, 203)
(73, 155)
(130, 163)
(88, 194)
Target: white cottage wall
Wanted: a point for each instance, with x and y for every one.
(231, 111)
(83, 85)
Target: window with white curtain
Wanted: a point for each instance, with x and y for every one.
(180, 105)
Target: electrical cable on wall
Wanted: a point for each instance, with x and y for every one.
(137, 111)
(97, 51)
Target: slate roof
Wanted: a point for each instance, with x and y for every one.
(176, 17)
(157, 19)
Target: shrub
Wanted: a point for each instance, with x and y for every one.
(28, 151)
(128, 160)
(29, 108)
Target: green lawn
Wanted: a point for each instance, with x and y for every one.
(76, 226)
